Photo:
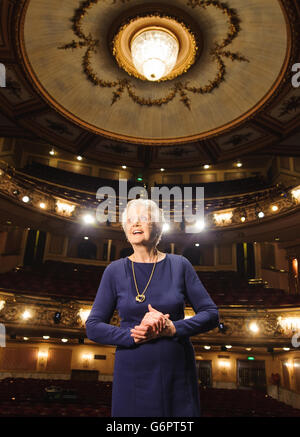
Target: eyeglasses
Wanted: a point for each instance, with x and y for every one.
(140, 218)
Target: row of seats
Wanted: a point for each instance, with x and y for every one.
(65, 184)
(59, 279)
(94, 399)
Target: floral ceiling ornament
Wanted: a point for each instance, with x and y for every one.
(218, 54)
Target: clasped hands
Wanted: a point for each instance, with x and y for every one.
(154, 324)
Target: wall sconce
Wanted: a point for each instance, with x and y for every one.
(42, 356)
(86, 360)
(296, 194)
(224, 366)
(64, 208)
(83, 314)
(223, 218)
(289, 324)
(2, 304)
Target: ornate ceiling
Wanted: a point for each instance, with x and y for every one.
(65, 87)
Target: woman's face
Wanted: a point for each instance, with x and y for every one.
(139, 228)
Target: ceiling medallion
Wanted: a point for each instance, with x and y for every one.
(155, 47)
(218, 54)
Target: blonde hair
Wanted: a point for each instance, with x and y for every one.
(156, 216)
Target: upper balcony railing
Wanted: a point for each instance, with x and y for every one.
(65, 201)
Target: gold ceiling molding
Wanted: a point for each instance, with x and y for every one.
(217, 53)
(252, 87)
(189, 42)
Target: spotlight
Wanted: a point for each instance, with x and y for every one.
(57, 317)
(166, 227)
(124, 166)
(162, 169)
(88, 219)
(52, 152)
(25, 199)
(79, 158)
(206, 166)
(222, 328)
(64, 340)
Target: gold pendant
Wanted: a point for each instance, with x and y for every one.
(140, 298)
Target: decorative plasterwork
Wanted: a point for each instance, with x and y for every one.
(206, 86)
(217, 54)
(236, 321)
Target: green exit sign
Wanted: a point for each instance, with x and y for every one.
(251, 358)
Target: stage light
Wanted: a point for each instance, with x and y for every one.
(162, 169)
(200, 225)
(88, 219)
(124, 166)
(243, 219)
(26, 315)
(42, 205)
(52, 152)
(222, 328)
(64, 340)
(197, 244)
(86, 238)
(253, 327)
(248, 349)
(206, 166)
(207, 347)
(228, 346)
(286, 348)
(79, 158)
(25, 338)
(57, 317)
(25, 199)
(166, 227)
(239, 164)
(274, 208)
(46, 337)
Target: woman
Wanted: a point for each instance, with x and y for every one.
(155, 372)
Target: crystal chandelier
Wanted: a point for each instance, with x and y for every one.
(154, 52)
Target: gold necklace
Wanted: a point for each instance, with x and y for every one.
(141, 296)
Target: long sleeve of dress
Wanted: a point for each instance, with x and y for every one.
(97, 325)
(207, 315)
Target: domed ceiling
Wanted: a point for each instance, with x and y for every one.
(65, 86)
(243, 57)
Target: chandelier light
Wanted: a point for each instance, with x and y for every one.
(154, 52)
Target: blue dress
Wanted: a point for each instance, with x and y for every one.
(157, 378)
